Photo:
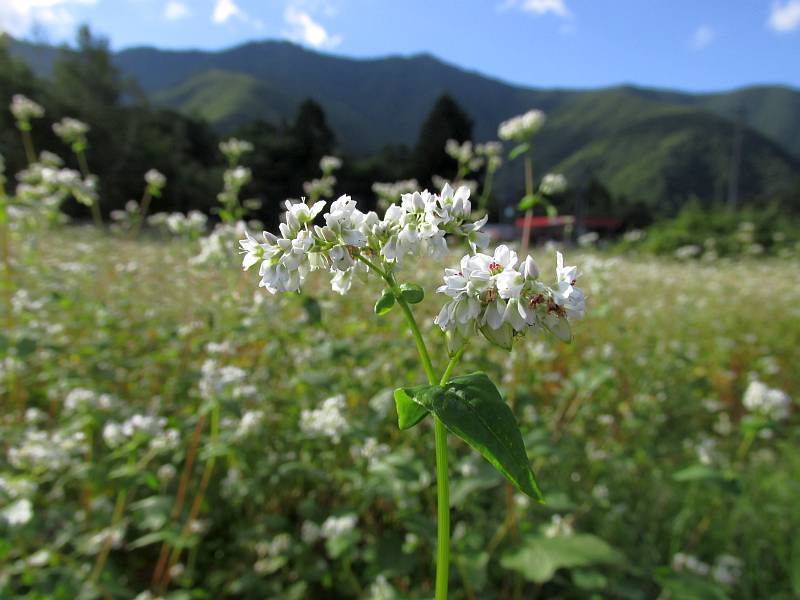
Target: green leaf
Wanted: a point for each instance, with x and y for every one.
(529, 201)
(409, 412)
(384, 303)
(552, 211)
(540, 557)
(412, 293)
(517, 150)
(471, 407)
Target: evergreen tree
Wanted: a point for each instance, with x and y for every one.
(447, 120)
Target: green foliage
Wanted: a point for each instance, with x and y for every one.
(540, 557)
(470, 406)
(384, 303)
(719, 231)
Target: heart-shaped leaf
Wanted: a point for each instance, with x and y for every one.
(471, 407)
(409, 412)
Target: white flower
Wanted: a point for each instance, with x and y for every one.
(24, 109)
(770, 402)
(328, 164)
(70, 130)
(569, 297)
(155, 178)
(553, 184)
(727, 570)
(491, 294)
(692, 564)
(522, 127)
(18, 513)
(335, 526)
(234, 148)
(328, 420)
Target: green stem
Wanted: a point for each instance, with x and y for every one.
(443, 511)
(440, 432)
(14, 390)
(27, 141)
(84, 166)
(143, 207)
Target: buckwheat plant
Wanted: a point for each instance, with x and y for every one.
(154, 182)
(24, 110)
(234, 178)
(73, 133)
(494, 295)
(520, 130)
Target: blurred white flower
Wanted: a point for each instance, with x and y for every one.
(522, 127)
(770, 402)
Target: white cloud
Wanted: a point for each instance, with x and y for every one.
(306, 30)
(702, 37)
(225, 10)
(174, 10)
(18, 16)
(784, 16)
(540, 7)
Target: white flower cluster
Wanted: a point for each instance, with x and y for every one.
(492, 152)
(390, 193)
(553, 184)
(335, 526)
(321, 186)
(464, 153)
(249, 423)
(18, 513)
(558, 527)
(48, 451)
(126, 217)
(192, 223)
(522, 127)
(489, 294)
(46, 183)
(416, 226)
(217, 381)
(329, 164)
(219, 245)
(81, 399)
(71, 131)
(233, 149)
(115, 434)
(769, 402)
(155, 179)
(328, 420)
(687, 562)
(24, 109)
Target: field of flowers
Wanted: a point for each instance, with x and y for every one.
(171, 430)
(663, 436)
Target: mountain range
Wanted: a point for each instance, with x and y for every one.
(655, 145)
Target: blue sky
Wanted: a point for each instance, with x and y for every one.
(693, 45)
